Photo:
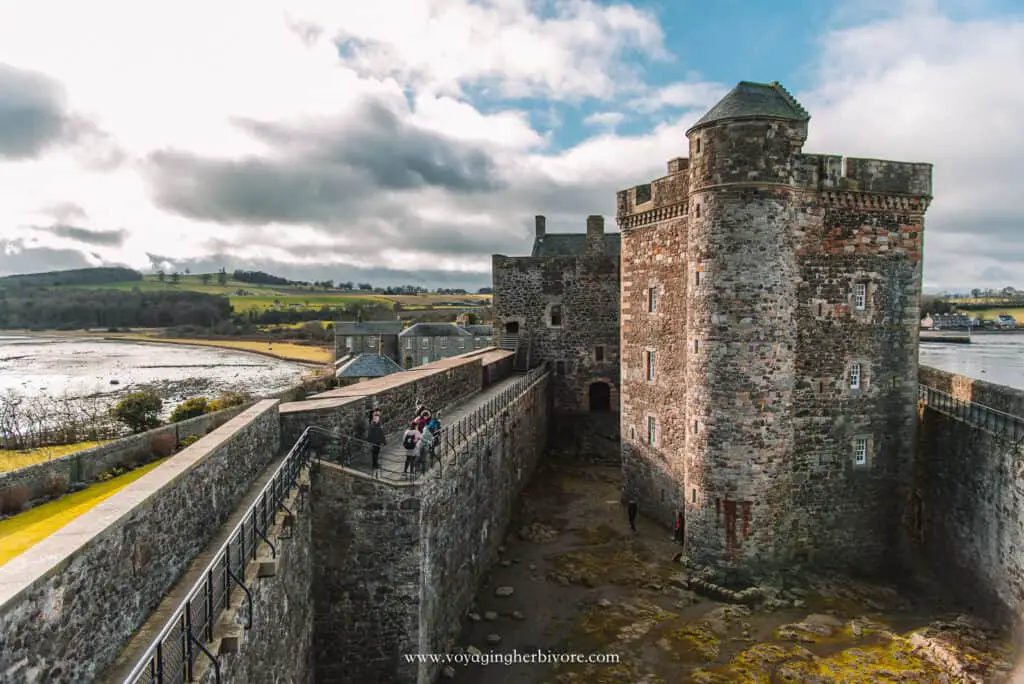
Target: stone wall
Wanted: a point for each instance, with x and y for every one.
(279, 645)
(347, 409)
(397, 566)
(748, 417)
(584, 348)
(464, 516)
(43, 480)
(366, 578)
(97, 579)
(968, 499)
(591, 438)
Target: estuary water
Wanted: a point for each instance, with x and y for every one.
(995, 358)
(59, 366)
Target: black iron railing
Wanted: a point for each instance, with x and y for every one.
(986, 418)
(176, 651)
(456, 436)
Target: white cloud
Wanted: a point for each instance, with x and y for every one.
(249, 109)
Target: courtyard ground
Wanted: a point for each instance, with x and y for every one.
(583, 583)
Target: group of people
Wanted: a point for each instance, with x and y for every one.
(419, 441)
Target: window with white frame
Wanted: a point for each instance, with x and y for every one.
(348, 342)
(860, 296)
(425, 342)
(860, 451)
(408, 343)
(650, 364)
(652, 430)
(855, 376)
(652, 299)
(444, 342)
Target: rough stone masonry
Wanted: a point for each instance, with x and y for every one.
(770, 308)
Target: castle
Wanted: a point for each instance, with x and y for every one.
(767, 359)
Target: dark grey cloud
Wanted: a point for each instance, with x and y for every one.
(33, 113)
(19, 256)
(319, 174)
(107, 238)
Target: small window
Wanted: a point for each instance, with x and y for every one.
(650, 365)
(425, 343)
(556, 316)
(408, 343)
(696, 426)
(652, 431)
(697, 209)
(860, 451)
(860, 296)
(559, 367)
(348, 342)
(652, 299)
(696, 346)
(599, 353)
(444, 342)
(693, 495)
(697, 150)
(696, 278)
(820, 308)
(855, 376)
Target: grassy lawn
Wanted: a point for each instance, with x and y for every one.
(313, 300)
(12, 459)
(25, 530)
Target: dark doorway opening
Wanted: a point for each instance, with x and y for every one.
(600, 397)
(512, 328)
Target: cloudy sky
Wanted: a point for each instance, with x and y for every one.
(407, 140)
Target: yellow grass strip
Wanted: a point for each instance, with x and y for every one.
(25, 530)
(277, 350)
(12, 459)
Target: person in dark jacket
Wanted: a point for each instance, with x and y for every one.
(631, 511)
(377, 439)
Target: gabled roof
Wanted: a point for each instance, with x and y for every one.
(749, 100)
(572, 244)
(368, 327)
(479, 330)
(368, 366)
(434, 330)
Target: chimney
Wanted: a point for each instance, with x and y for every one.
(541, 224)
(595, 234)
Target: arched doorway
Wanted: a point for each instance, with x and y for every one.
(512, 328)
(600, 397)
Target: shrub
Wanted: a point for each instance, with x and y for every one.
(139, 411)
(190, 408)
(227, 400)
(56, 484)
(188, 441)
(163, 445)
(13, 499)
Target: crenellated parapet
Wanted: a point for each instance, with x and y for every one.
(662, 198)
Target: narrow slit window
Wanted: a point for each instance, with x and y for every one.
(855, 376)
(693, 495)
(696, 346)
(697, 209)
(556, 316)
(696, 278)
(652, 430)
(652, 299)
(650, 365)
(698, 146)
(599, 353)
(559, 367)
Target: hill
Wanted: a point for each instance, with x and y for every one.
(79, 276)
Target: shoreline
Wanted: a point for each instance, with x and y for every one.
(181, 341)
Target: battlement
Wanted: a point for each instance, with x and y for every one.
(835, 172)
(660, 194)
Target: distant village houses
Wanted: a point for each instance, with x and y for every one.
(416, 345)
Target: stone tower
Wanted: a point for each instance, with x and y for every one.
(770, 314)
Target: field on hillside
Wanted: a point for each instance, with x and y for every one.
(265, 297)
(989, 314)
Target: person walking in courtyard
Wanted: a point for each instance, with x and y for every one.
(678, 536)
(377, 439)
(631, 511)
(422, 419)
(409, 440)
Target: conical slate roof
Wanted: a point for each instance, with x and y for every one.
(750, 100)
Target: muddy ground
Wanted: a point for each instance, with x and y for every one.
(583, 583)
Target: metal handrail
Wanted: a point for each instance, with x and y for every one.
(191, 624)
(971, 412)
